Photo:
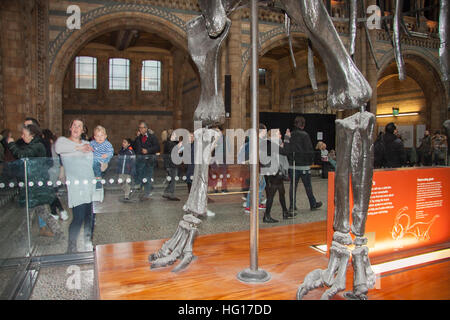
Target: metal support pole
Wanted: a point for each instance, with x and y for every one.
(294, 200)
(27, 209)
(252, 274)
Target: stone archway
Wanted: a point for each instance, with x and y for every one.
(74, 41)
(268, 40)
(423, 67)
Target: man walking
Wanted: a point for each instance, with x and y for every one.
(145, 146)
(300, 152)
(394, 151)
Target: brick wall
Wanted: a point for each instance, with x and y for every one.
(120, 111)
(14, 59)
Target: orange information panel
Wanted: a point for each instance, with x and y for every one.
(409, 208)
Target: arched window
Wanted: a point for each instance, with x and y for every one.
(262, 74)
(119, 74)
(85, 72)
(151, 75)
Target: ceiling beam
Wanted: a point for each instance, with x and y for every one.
(124, 39)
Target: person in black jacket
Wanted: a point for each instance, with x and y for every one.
(7, 174)
(145, 146)
(39, 195)
(22, 144)
(378, 147)
(299, 150)
(394, 155)
(275, 180)
(126, 166)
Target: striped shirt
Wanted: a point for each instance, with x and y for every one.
(101, 149)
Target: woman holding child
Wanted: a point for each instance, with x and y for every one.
(77, 159)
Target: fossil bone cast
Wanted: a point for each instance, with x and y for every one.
(444, 16)
(354, 152)
(347, 89)
(205, 36)
(204, 51)
(180, 246)
(398, 18)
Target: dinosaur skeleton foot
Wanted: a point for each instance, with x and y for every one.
(334, 275)
(177, 247)
(313, 280)
(364, 277)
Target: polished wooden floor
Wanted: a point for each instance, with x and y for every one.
(123, 272)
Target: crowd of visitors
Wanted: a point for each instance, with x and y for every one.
(80, 163)
(390, 151)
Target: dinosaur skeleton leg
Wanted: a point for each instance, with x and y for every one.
(170, 257)
(205, 36)
(364, 277)
(344, 134)
(444, 56)
(168, 246)
(347, 87)
(215, 16)
(187, 253)
(362, 173)
(397, 40)
(175, 247)
(287, 26)
(198, 197)
(311, 67)
(355, 156)
(204, 51)
(337, 245)
(353, 25)
(361, 170)
(313, 280)
(339, 257)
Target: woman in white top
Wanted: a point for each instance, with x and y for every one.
(77, 159)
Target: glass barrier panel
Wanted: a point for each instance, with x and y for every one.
(15, 241)
(143, 199)
(48, 206)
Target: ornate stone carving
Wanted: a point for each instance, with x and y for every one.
(159, 12)
(41, 52)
